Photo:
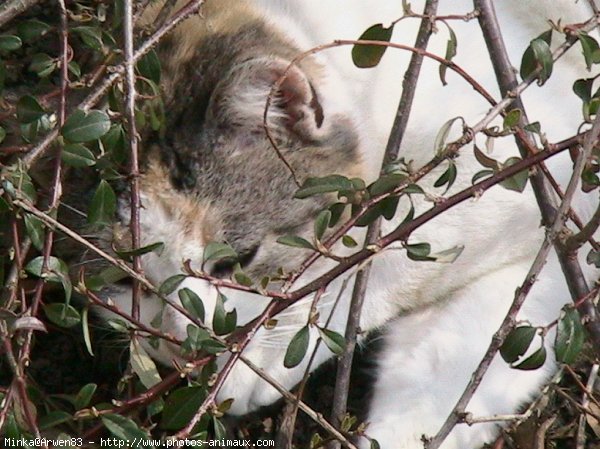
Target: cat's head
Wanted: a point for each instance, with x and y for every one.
(215, 176)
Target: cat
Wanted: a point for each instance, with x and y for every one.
(215, 177)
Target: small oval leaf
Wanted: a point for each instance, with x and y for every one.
(367, 56)
(62, 315)
(570, 337)
(103, 205)
(297, 348)
(334, 341)
(82, 127)
(517, 342)
(192, 303)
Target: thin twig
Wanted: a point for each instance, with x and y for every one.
(585, 401)
(134, 172)
(342, 382)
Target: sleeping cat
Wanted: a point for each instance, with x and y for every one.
(215, 177)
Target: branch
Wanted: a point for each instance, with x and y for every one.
(134, 171)
(12, 8)
(342, 382)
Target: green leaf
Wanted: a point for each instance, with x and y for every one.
(590, 49)
(448, 177)
(388, 207)
(223, 322)
(84, 396)
(538, 56)
(337, 210)
(180, 407)
(570, 337)
(348, 241)
(142, 365)
(195, 337)
(192, 303)
(53, 419)
(77, 155)
(42, 64)
(32, 29)
(62, 315)
(28, 109)
(418, 251)
(220, 431)
(326, 184)
(82, 127)
(516, 182)
(218, 251)
(512, 118)
(213, 346)
(9, 42)
(124, 429)
(485, 160)
(114, 142)
(387, 183)
(74, 69)
(321, 223)
(451, 46)
(481, 174)
(103, 205)
(534, 127)
(35, 231)
(19, 183)
(149, 66)
(367, 56)
(56, 268)
(517, 343)
(295, 241)
(91, 36)
(85, 330)
(297, 348)
(109, 275)
(583, 88)
(334, 341)
(534, 361)
(171, 283)
(443, 133)
(242, 278)
(151, 248)
(374, 444)
(593, 258)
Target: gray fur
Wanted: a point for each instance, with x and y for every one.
(229, 163)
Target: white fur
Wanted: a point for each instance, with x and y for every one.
(429, 353)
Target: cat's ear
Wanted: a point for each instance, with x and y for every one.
(241, 98)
